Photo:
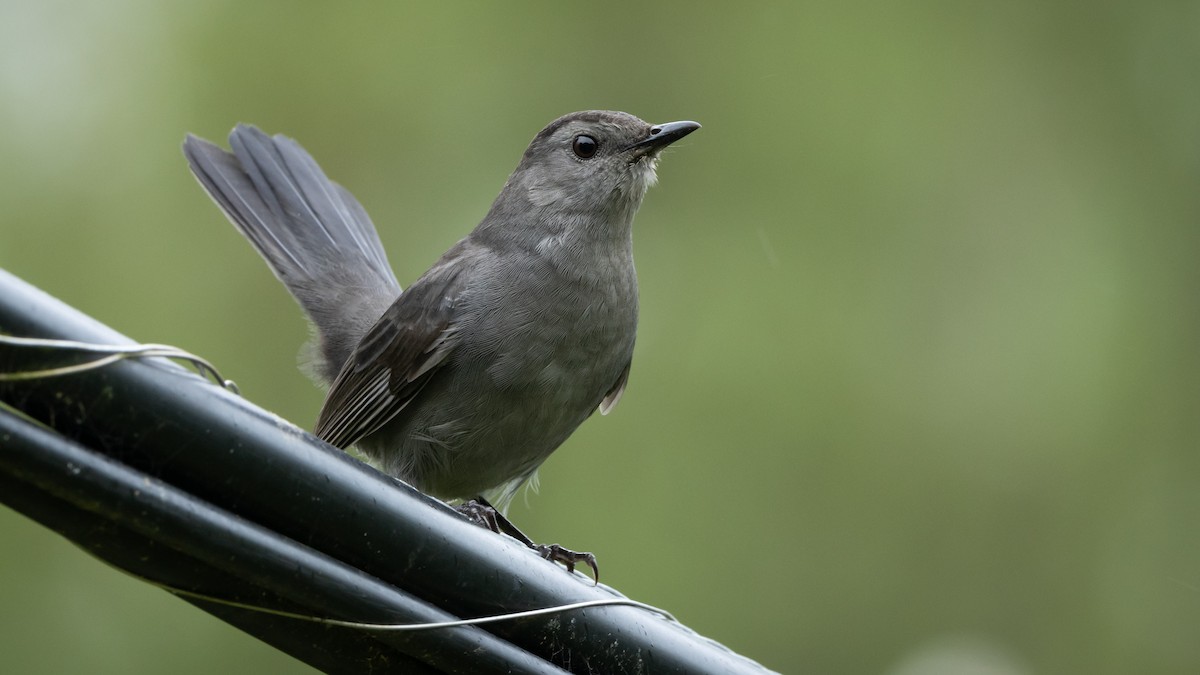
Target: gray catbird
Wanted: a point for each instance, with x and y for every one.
(463, 384)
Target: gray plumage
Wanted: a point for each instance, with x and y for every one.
(463, 384)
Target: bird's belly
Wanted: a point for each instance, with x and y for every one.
(511, 406)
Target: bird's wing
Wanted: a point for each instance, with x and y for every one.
(398, 356)
(610, 399)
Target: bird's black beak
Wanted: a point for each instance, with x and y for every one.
(662, 135)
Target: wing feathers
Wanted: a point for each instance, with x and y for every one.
(395, 360)
(614, 395)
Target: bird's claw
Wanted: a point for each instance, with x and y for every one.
(566, 556)
(483, 514)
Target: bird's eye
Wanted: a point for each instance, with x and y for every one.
(584, 147)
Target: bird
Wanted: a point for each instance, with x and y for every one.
(464, 383)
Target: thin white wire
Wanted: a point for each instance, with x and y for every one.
(432, 625)
(111, 354)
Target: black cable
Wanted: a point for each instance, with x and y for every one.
(157, 418)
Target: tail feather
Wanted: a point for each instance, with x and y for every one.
(315, 236)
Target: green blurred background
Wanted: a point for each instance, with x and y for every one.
(916, 387)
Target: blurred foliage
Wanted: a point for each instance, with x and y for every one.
(916, 387)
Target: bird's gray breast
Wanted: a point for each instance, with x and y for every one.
(567, 329)
(538, 347)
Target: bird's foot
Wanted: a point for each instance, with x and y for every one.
(483, 514)
(569, 558)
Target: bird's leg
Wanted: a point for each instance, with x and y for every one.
(482, 513)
